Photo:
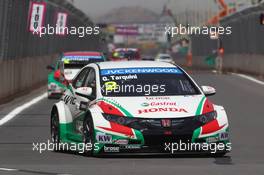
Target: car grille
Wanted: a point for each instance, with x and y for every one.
(188, 123)
(179, 129)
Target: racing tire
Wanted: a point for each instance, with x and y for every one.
(55, 130)
(49, 96)
(88, 135)
(218, 155)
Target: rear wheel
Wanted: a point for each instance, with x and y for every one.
(55, 130)
(88, 136)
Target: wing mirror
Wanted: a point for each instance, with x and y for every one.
(208, 90)
(57, 75)
(85, 92)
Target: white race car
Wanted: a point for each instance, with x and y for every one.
(139, 107)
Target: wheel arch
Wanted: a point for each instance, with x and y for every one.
(64, 113)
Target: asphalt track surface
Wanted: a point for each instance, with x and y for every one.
(242, 99)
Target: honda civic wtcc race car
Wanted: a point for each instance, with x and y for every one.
(139, 107)
(124, 54)
(66, 68)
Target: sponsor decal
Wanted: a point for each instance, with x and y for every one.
(166, 123)
(149, 70)
(133, 146)
(121, 141)
(157, 98)
(103, 138)
(81, 58)
(111, 149)
(223, 136)
(69, 99)
(163, 104)
(145, 104)
(212, 139)
(152, 110)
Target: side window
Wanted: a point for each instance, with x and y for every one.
(91, 81)
(80, 79)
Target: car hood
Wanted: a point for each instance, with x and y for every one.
(154, 107)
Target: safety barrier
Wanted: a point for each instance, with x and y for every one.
(243, 49)
(23, 55)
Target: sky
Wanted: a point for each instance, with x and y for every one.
(95, 8)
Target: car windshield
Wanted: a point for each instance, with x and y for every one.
(146, 82)
(75, 66)
(78, 64)
(165, 57)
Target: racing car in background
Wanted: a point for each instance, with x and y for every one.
(164, 57)
(124, 54)
(122, 107)
(67, 66)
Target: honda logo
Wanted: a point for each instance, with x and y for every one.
(166, 123)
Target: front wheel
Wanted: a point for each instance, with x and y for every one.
(55, 130)
(88, 136)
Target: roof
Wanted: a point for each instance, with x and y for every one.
(82, 56)
(129, 15)
(164, 54)
(126, 49)
(82, 53)
(133, 64)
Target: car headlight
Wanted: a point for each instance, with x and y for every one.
(119, 119)
(206, 118)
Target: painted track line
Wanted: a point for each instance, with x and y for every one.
(8, 169)
(19, 109)
(31, 171)
(249, 78)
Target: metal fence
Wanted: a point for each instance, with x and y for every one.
(24, 56)
(17, 42)
(246, 38)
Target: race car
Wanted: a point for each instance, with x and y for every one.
(124, 54)
(67, 66)
(139, 107)
(164, 57)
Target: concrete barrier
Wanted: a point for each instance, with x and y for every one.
(245, 63)
(18, 76)
(252, 64)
